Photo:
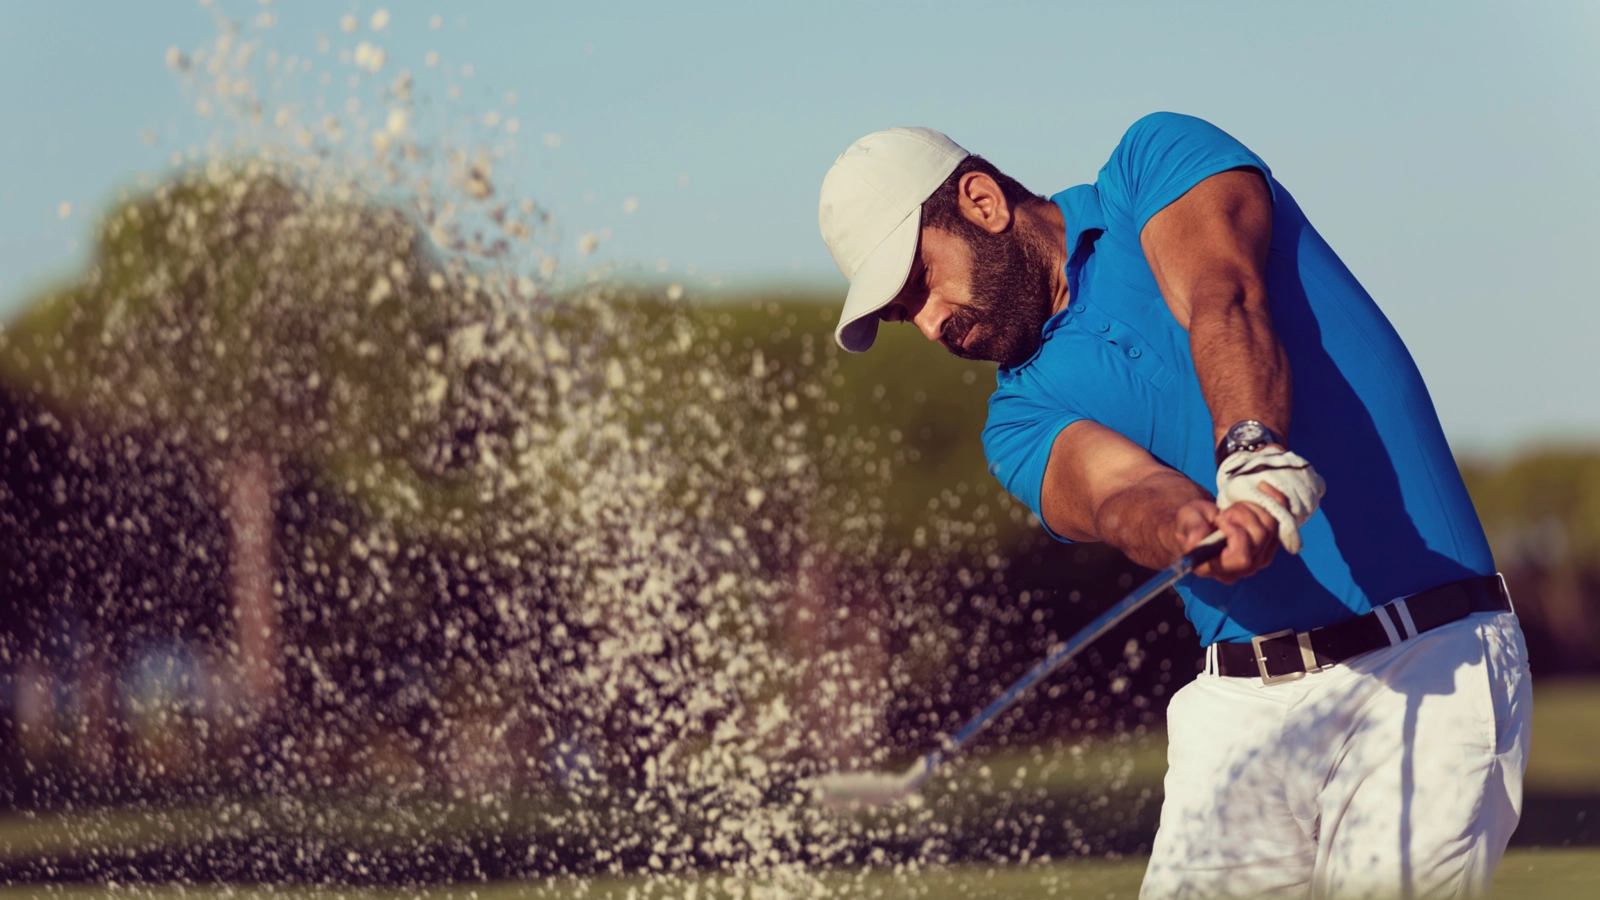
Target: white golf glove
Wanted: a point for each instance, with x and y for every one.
(1240, 478)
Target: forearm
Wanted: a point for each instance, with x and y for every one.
(1100, 486)
(1142, 519)
(1242, 368)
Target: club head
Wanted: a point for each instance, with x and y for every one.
(865, 790)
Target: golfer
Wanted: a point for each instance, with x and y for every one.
(1361, 725)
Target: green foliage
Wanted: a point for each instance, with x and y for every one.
(240, 310)
(233, 307)
(1541, 508)
(897, 428)
(236, 310)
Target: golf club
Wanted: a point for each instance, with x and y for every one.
(846, 789)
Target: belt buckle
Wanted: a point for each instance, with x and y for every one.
(1261, 659)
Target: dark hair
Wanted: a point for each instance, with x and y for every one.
(942, 209)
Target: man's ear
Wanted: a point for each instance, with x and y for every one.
(983, 203)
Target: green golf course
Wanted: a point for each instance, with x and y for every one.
(1566, 725)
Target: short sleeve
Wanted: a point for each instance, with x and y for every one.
(1160, 158)
(1017, 440)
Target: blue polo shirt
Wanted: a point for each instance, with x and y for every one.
(1396, 519)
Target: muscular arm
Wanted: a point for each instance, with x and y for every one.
(1208, 250)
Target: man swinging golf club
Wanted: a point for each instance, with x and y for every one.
(1361, 726)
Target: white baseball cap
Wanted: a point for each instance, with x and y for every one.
(871, 218)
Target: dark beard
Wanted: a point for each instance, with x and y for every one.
(1011, 298)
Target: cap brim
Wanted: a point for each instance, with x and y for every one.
(879, 279)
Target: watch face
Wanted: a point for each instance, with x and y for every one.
(1246, 433)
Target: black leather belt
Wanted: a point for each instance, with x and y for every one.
(1287, 655)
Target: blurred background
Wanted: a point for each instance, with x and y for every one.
(425, 457)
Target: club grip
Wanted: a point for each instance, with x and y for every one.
(1208, 549)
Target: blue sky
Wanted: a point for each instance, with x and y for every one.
(1446, 150)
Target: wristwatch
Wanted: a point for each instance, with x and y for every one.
(1246, 435)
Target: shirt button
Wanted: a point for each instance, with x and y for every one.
(1077, 307)
(1133, 352)
(1105, 326)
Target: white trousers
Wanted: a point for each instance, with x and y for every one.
(1397, 773)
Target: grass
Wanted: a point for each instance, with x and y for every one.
(1566, 735)
(1563, 760)
(1129, 766)
(1566, 725)
(1524, 875)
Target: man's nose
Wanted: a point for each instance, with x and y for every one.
(930, 319)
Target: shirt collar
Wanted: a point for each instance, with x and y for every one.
(1080, 206)
(1085, 220)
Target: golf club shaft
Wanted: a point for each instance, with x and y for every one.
(1206, 550)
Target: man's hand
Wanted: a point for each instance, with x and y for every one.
(1280, 482)
(1251, 531)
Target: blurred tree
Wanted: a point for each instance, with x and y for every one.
(255, 321)
(1541, 510)
(900, 425)
(440, 472)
